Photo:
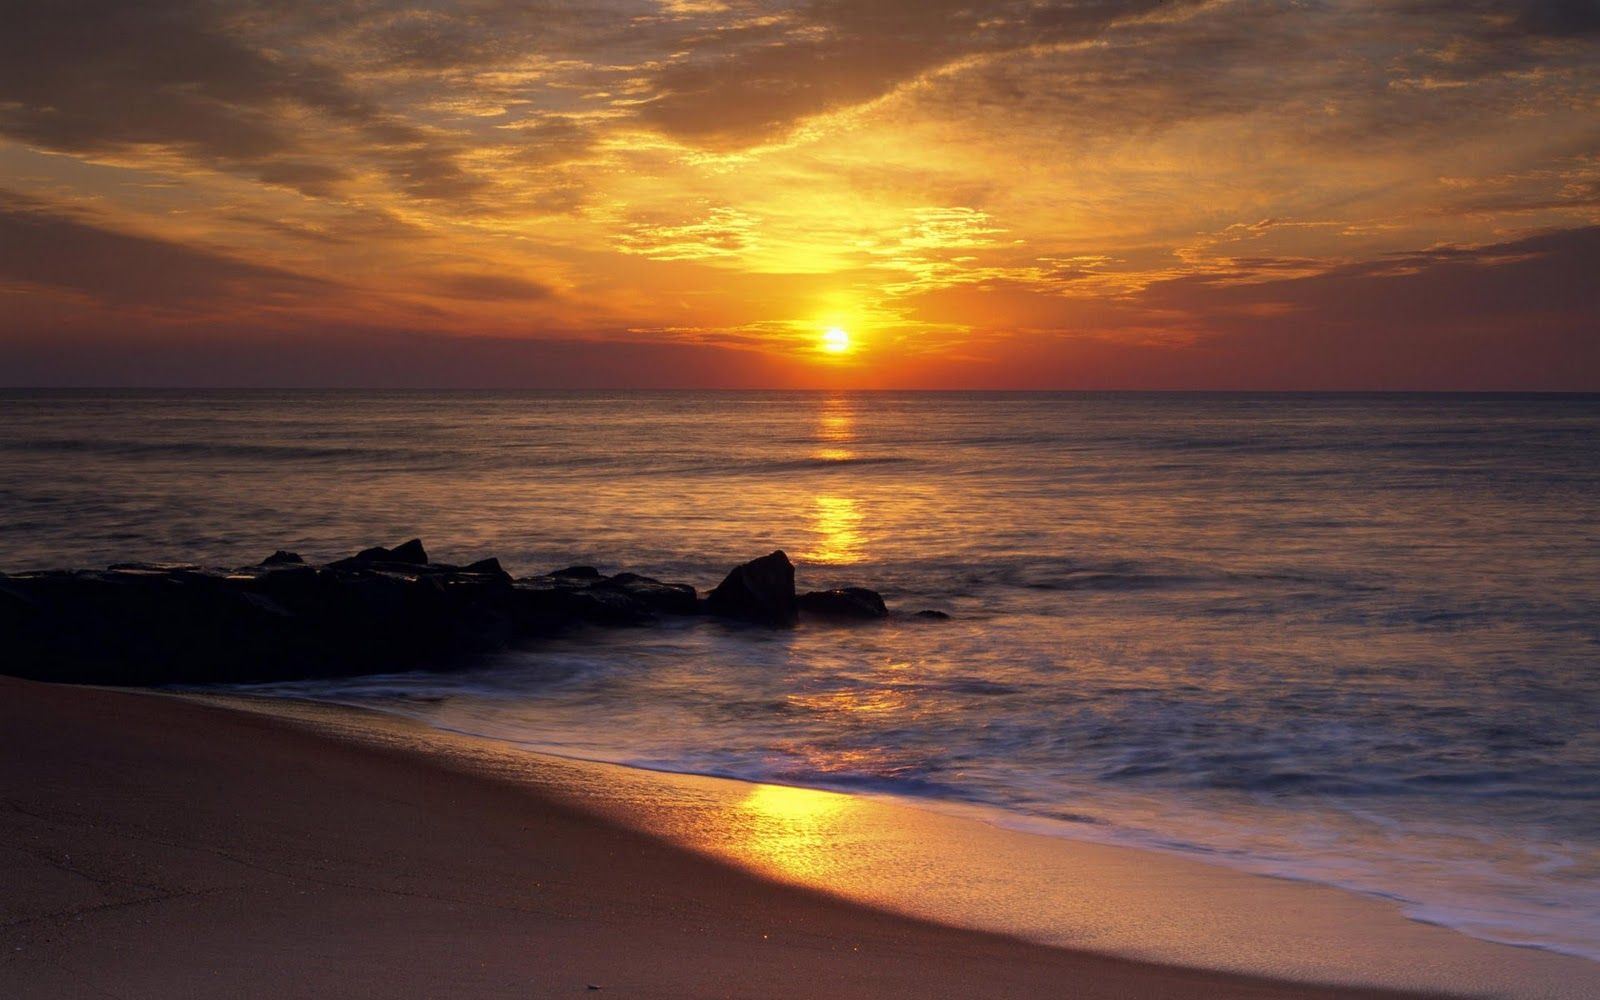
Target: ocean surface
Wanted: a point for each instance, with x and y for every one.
(1349, 639)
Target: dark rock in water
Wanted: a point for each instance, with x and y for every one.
(488, 567)
(671, 598)
(409, 552)
(929, 613)
(547, 604)
(849, 602)
(761, 590)
(380, 611)
(578, 573)
(603, 606)
(154, 568)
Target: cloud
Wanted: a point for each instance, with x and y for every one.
(1518, 314)
(102, 76)
(721, 232)
(41, 245)
(742, 86)
(1541, 278)
(333, 356)
(1509, 18)
(491, 287)
(229, 87)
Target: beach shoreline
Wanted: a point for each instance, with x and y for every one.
(160, 847)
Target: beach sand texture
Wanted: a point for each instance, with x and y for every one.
(157, 848)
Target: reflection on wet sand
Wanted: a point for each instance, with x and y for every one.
(792, 832)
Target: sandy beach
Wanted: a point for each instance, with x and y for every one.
(159, 848)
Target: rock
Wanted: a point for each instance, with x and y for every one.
(671, 598)
(379, 611)
(154, 569)
(604, 606)
(547, 604)
(578, 573)
(293, 585)
(929, 613)
(849, 602)
(409, 552)
(761, 590)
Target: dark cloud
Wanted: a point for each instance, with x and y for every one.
(1552, 18)
(551, 140)
(333, 356)
(1522, 314)
(333, 228)
(1561, 18)
(220, 85)
(734, 88)
(491, 287)
(1479, 40)
(100, 76)
(40, 245)
(1540, 278)
(1518, 314)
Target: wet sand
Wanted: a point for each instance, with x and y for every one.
(154, 847)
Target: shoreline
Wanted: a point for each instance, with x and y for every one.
(161, 846)
(165, 848)
(962, 868)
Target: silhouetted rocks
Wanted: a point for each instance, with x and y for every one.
(670, 598)
(761, 590)
(489, 567)
(847, 602)
(577, 573)
(405, 554)
(932, 615)
(381, 610)
(409, 552)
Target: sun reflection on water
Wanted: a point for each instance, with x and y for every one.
(837, 519)
(837, 419)
(836, 522)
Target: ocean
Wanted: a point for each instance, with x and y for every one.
(1351, 639)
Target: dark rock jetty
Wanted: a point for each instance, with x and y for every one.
(380, 610)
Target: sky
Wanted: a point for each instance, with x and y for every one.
(1074, 194)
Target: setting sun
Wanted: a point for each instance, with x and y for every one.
(835, 340)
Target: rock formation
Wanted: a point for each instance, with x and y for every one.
(381, 610)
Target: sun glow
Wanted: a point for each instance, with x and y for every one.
(835, 340)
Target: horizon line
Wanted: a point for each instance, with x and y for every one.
(929, 390)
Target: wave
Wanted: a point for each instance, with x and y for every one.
(820, 462)
(216, 449)
(1553, 914)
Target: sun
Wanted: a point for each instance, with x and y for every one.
(835, 340)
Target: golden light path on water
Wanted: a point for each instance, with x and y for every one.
(837, 524)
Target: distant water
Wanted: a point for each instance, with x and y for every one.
(1352, 639)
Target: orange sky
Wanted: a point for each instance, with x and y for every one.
(1002, 193)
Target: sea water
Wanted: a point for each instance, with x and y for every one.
(1346, 638)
